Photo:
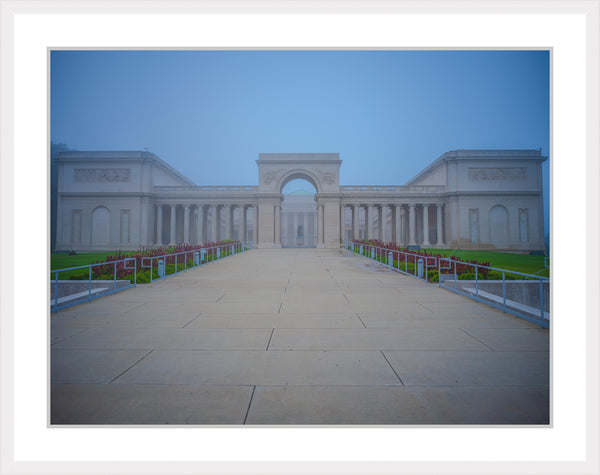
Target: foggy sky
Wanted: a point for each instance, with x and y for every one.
(387, 113)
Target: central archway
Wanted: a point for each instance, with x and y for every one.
(276, 170)
(298, 214)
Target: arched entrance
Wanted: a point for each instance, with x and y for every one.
(275, 171)
(298, 215)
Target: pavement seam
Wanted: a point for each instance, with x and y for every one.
(270, 338)
(249, 404)
(123, 372)
(428, 309)
(70, 336)
(346, 297)
(361, 321)
(192, 320)
(476, 339)
(220, 298)
(388, 362)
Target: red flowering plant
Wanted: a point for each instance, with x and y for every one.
(463, 267)
(124, 270)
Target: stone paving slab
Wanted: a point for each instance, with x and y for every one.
(92, 366)
(277, 321)
(134, 318)
(373, 339)
(487, 405)
(467, 368)
(147, 404)
(165, 339)
(337, 405)
(263, 368)
(429, 319)
(504, 339)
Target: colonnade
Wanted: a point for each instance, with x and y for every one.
(202, 223)
(410, 223)
(295, 219)
(404, 229)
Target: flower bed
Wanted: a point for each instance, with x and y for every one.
(174, 263)
(405, 259)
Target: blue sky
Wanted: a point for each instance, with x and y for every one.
(387, 113)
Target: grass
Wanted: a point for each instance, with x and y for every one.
(64, 261)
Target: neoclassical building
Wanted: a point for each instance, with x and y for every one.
(466, 199)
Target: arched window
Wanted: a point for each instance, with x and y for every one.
(499, 225)
(100, 226)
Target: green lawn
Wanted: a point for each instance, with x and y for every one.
(64, 261)
(503, 260)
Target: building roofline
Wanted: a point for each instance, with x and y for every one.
(77, 155)
(502, 154)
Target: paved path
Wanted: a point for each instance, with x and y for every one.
(295, 336)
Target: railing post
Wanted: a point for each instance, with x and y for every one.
(541, 300)
(135, 272)
(503, 292)
(115, 281)
(56, 291)
(90, 283)
(455, 284)
(476, 286)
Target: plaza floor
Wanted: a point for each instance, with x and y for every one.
(295, 336)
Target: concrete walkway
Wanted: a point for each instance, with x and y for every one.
(295, 336)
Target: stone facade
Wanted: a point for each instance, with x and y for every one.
(466, 199)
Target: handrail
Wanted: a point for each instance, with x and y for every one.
(537, 315)
(197, 256)
(90, 296)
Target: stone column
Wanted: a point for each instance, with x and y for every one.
(219, 237)
(368, 223)
(214, 231)
(242, 225)
(254, 226)
(320, 230)
(380, 223)
(173, 217)
(159, 212)
(199, 224)
(227, 217)
(295, 233)
(440, 230)
(411, 225)
(426, 242)
(278, 225)
(186, 224)
(285, 219)
(398, 224)
(305, 229)
(355, 222)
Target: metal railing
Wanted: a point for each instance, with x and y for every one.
(523, 295)
(173, 262)
(66, 293)
(407, 263)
